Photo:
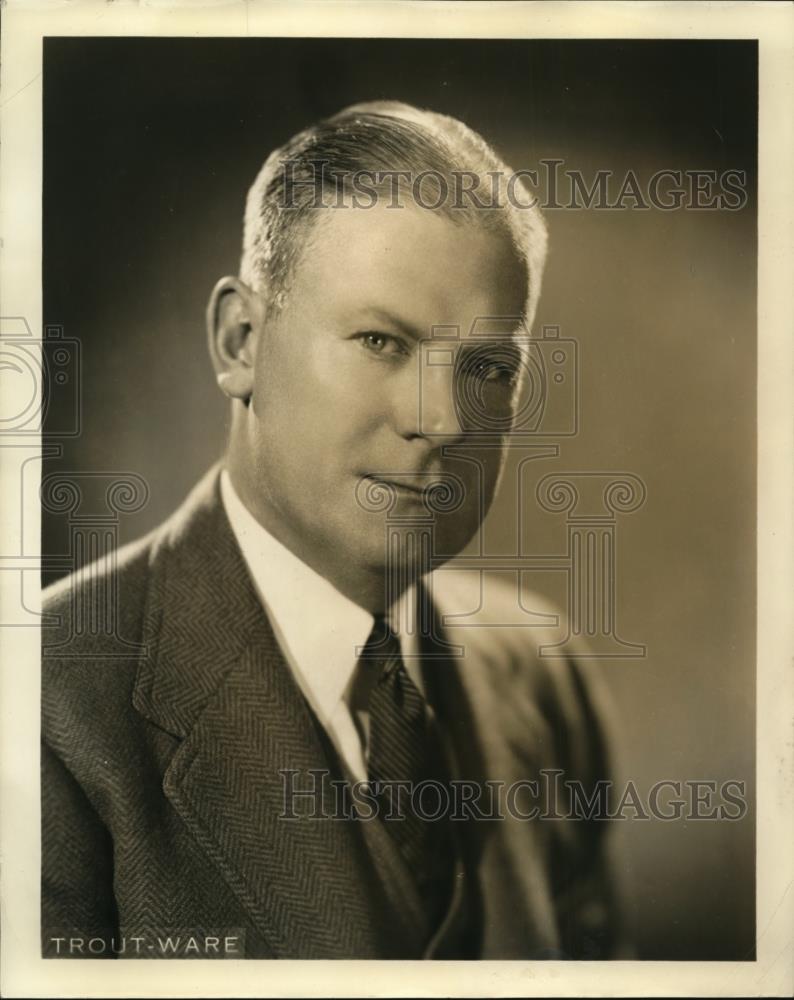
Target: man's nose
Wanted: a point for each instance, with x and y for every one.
(433, 413)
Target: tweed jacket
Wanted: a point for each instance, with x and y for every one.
(165, 744)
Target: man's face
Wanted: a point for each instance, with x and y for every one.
(344, 399)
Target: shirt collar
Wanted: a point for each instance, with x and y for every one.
(319, 628)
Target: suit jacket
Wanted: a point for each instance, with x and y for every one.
(166, 734)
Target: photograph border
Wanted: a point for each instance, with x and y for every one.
(23, 970)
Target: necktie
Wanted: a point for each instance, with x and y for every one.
(404, 753)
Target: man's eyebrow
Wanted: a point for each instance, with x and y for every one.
(390, 319)
(386, 317)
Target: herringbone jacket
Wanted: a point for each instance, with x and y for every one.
(166, 739)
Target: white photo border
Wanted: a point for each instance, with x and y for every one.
(23, 970)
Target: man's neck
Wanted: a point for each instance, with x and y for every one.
(374, 589)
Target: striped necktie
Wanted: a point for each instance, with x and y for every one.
(404, 748)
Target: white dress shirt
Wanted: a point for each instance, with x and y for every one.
(318, 630)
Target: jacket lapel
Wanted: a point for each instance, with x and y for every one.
(216, 678)
(493, 728)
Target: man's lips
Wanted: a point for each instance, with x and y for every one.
(437, 492)
(411, 483)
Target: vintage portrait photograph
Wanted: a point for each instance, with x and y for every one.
(391, 440)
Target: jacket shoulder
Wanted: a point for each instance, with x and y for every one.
(514, 636)
(101, 625)
(93, 638)
(121, 579)
(512, 629)
(84, 608)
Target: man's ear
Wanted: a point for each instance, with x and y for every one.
(233, 317)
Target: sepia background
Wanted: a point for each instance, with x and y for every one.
(149, 148)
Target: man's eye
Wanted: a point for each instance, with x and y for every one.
(503, 370)
(381, 343)
(495, 371)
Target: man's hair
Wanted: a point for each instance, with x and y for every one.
(380, 139)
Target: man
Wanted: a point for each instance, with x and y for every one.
(256, 770)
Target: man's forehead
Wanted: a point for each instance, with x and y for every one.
(415, 265)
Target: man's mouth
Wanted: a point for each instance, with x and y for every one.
(408, 485)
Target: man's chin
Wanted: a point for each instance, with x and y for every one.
(408, 549)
